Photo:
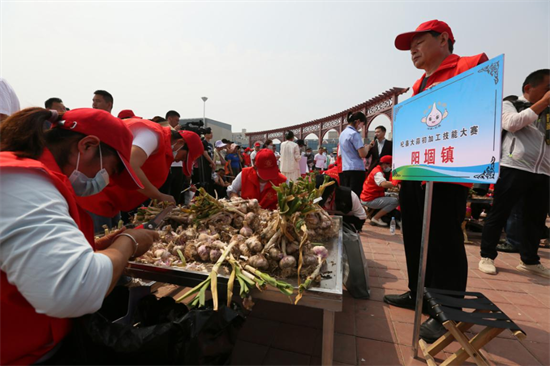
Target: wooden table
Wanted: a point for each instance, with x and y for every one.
(326, 296)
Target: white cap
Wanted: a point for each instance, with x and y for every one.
(220, 143)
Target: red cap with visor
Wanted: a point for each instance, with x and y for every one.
(266, 164)
(403, 41)
(386, 159)
(111, 131)
(127, 113)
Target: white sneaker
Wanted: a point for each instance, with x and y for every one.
(487, 265)
(377, 222)
(537, 269)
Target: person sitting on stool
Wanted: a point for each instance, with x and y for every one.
(373, 194)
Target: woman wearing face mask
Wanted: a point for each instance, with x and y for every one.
(49, 270)
(154, 148)
(373, 195)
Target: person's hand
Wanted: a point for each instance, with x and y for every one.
(546, 98)
(144, 238)
(106, 241)
(372, 143)
(166, 198)
(213, 165)
(193, 188)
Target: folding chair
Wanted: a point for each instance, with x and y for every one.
(445, 306)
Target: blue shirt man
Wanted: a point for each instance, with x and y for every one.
(350, 142)
(353, 151)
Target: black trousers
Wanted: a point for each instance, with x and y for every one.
(174, 183)
(511, 187)
(447, 266)
(353, 179)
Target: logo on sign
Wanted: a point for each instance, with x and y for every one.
(435, 117)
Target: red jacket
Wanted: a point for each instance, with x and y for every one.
(250, 188)
(27, 335)
(371, 190)
(246, 159)
(113, 198)
(449, 68)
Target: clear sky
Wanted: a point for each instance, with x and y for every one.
(262, 65)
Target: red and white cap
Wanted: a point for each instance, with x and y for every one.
(111, 131)
(266, 164)
(403, 41)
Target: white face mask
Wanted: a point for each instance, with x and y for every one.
(387, 170)
(84, 186)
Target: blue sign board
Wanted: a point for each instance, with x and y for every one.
(452, 132)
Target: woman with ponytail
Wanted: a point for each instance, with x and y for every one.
(352, 150)
(50, 268)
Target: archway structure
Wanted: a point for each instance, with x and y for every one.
(381, 104)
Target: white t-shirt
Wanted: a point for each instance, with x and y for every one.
(9, 103)
(43, 253)
(253, 156)
(145, 139)
(320, 160)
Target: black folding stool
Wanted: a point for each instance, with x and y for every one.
(445, 305)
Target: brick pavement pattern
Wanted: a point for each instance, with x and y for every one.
(370, 332)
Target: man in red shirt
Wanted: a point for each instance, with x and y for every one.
(374, 191)
(431, 47)
(258, 181)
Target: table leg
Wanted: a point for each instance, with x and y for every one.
(328, 337)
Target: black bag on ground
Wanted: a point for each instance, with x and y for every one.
(161, 332)
(356, 271)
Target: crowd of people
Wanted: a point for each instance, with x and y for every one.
(68, 173)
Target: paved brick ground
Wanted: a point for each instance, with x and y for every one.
(370, 332)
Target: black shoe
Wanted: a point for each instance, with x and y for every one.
(401, 301)
(431, 330)
(406, 301)
(507, 248)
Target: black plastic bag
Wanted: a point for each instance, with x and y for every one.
(356, 271)
(161, 332)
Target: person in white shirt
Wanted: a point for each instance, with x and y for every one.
(524, 175)
(320, 159)
(257, 146)
(50, 271)
(174, 183)
(9, 103)
(290, 157)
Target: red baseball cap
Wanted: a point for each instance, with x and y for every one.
(266, 164)
(127, 113)
(110, 130)
(195, 150)
(386, 159)
(257, 144)
(403, 41)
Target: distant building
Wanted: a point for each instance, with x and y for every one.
(220, 130)
(240, 138)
